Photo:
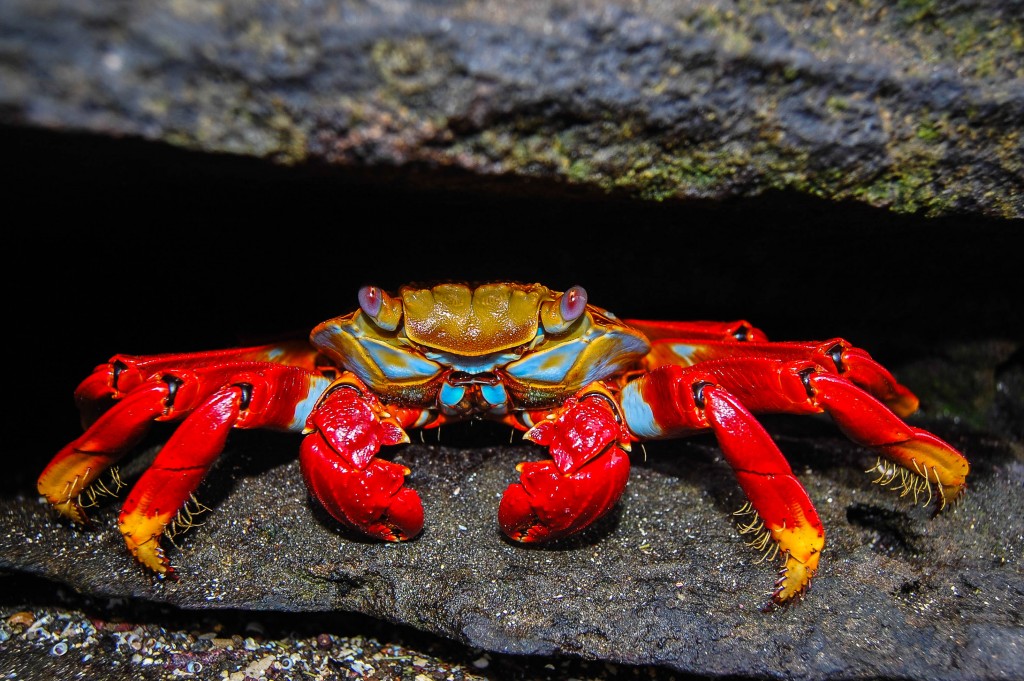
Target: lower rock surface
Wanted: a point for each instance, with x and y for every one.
(665, 581)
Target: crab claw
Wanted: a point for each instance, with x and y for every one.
(372, 500)
(547, 504)
(583, 480)
(341, 470)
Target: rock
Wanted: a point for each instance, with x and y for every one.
(665, 581)
(914, 107)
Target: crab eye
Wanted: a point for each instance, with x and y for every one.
(557, 315)
(385, 311)
(573, 303)
(370, 300)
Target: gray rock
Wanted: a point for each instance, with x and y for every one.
(914, 106)
(665, 581)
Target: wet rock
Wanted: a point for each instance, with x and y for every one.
(913, 106)
(666, 580)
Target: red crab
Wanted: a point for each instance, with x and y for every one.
(578, 380)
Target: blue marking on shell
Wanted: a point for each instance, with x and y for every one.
(637, 412)
(494, 394)
(317, 386)
(546, 366)
(400, 365)
(451, 395)
(552, 365)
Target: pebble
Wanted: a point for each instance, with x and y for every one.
(21, 619)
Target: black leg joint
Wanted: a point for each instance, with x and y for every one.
(339, 386)
(836, 353)
(119, 368)
(246, 395)
(607, 400)
(698, 393)
(805, 378)
(173, 384)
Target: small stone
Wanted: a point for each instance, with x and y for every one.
(21, 619)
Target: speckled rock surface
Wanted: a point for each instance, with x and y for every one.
(914, 106)
(665, 581)
(900, 596)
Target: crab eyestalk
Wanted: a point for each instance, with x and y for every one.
(558, 315)
(384, 310)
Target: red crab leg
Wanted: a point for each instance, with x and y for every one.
(673, 401)
(209, 398)
(83, 460)
(802, 387)
(584, 478)
(264, 396)
(175, 474)
(761, 385)
(835, 355)
(339, 463)
(123, 373)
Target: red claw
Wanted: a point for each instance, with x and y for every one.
(372, 500)
(583, 480)
(352, 424)
(338, 461)
(547, 504)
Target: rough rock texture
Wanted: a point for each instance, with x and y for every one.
(666, 581)
(915, 106)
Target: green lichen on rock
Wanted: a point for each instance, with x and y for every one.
(913, 106)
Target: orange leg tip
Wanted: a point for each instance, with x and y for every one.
(801, 547)
(142, 536)
(931, 463)
(72, 511)
(794, 582)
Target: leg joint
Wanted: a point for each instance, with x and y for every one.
(246, 400)
(698, 393)
(174, 384)
(805, 378)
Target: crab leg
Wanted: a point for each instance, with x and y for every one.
(721, 394)
(208, 398)
(673, 401)
(836, 356)
(935, 468)
(175, 474)
(740, 331)
(587, 473)
(107, 440)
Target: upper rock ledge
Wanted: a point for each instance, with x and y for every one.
(915, 106)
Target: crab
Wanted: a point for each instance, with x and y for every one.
(574, 378)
